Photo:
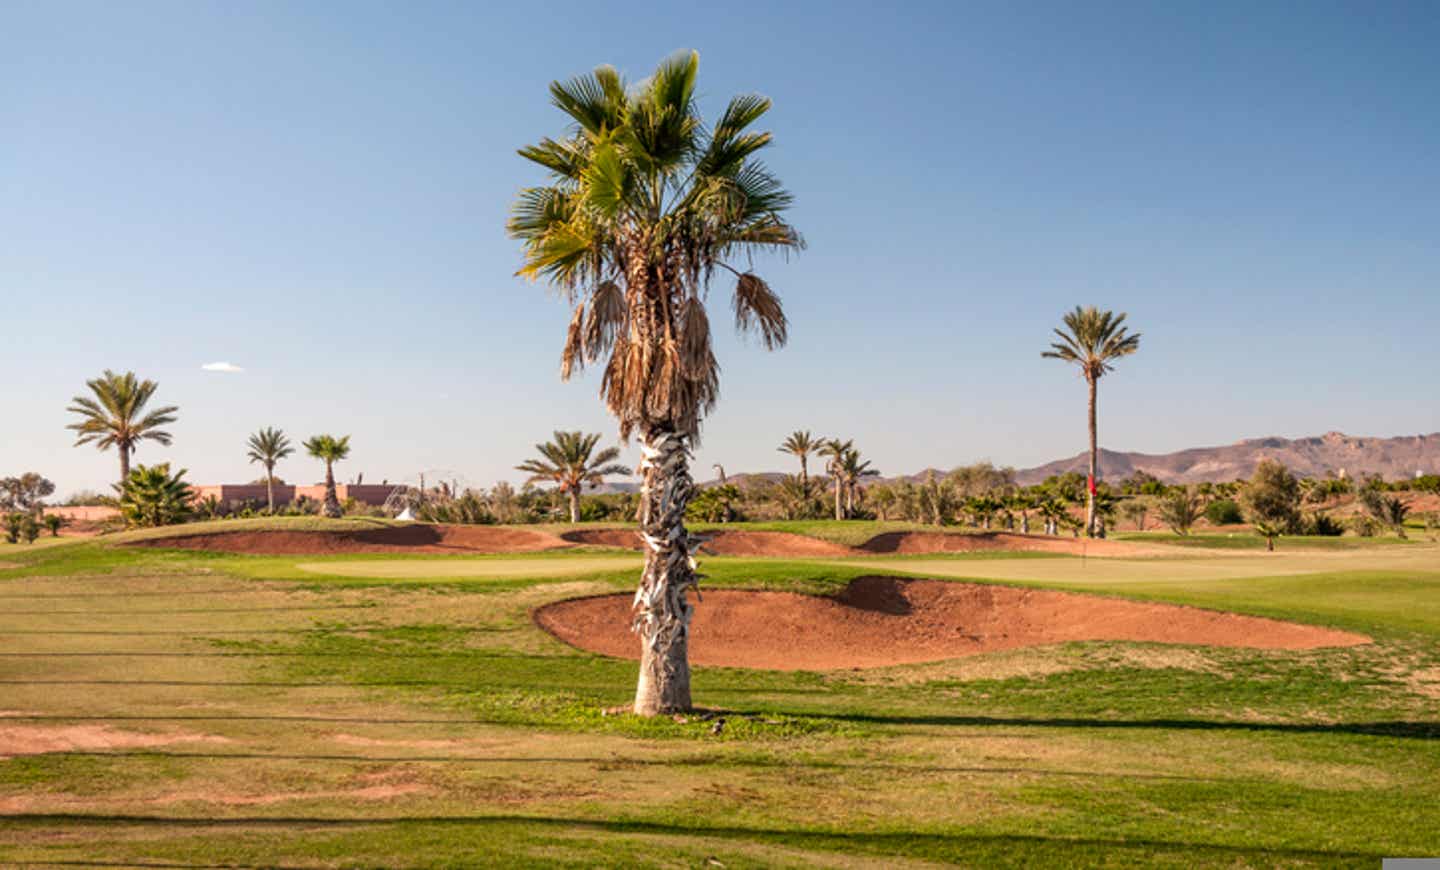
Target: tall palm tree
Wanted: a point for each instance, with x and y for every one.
(330, 450)
(1093, 340)
(114, 415)
(646, 204)
(801, 444)
(833, 449)
(267, 447)
(570, 462)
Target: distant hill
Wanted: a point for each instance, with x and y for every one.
(1319, 456)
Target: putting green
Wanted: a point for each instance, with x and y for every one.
(494, 569)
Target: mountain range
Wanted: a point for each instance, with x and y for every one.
(1333, 453)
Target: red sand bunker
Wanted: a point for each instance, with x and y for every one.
(743, 542)
(381, 539)
(880, 621)
(722, 542)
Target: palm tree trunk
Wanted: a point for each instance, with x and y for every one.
(1094, 457)
(574, 505)
(270, 488)
(662, 613)
(331, 508)
(837, 499)
(804, 471)
(124, 463)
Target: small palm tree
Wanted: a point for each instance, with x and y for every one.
(833, 449)
(570, 462)
(852, 471)
(645, 205)
(152, 496)
(1093, 340)
(114, 415)
(801, 444)
(329, 450)
(267, 447)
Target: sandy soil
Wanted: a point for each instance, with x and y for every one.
(882, 621)
(37, 739)
(387, 539)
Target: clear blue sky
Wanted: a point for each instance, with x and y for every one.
(316, 192)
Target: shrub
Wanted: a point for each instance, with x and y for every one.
(1181, 509)
(13, 521)
(1321, 523)
(1272, 497)
(29, 529)
(152, 496)
(1224, 512)
(54, 522)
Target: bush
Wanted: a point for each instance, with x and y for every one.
(1321, 523)
(29, 529)
(1224, 512)
(12, 527)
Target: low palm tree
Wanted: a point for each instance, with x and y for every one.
(1093, 340)
(570, 462)
(852, 471)
(152, 496)
(114, 415)
(645, 205)
(267, 447)
(801, 444)
(330, 450)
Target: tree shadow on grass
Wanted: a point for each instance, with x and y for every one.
(1417, 730)
(1012, 848)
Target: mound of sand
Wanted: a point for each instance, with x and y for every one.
(722, 542)
(881, 621)
(978, 542)
(417, 538)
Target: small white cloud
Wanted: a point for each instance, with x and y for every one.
(228, 368)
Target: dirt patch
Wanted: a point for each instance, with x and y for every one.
(628, 539)
(946, 542)
(6, 566)
(39, 739)
(882, 621)
(419, 538)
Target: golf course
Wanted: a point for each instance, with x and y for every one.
(179, 706)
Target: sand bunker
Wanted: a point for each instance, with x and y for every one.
(722, 542)
(743, 542)
(880, 621)
(382, 539)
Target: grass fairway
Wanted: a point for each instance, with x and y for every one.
(186, 708)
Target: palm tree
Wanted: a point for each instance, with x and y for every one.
(834, 450)
(570, 462)
(646, 203)
(329, 450)
(1093, 340)
(152, 496)
(801, 444)
(114, 415)
(852, 471)
(267, 447)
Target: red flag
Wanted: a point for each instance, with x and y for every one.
(1090, 482)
